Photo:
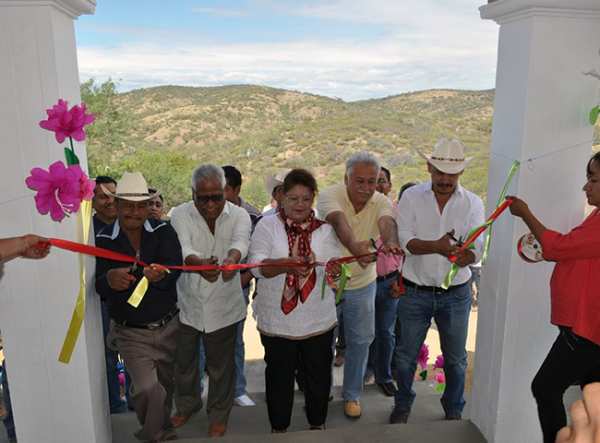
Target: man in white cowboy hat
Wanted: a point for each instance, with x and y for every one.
(146, 336)
(433, 218)
(274, 187)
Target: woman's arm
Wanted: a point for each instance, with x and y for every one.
(22, 247)
(520, 209)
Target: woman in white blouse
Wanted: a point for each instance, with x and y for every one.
(296, 325)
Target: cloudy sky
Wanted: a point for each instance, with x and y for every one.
(351, 49)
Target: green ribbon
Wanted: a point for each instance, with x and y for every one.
(488, 237)
(488, 224)
(344, 276)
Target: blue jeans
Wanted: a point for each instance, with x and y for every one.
(112, 370)
(240, 356)
(450, 310)
(381, 350)
(9, 421)
(358, 309)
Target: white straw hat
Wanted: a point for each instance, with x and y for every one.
(448, 157)
(272, 181)
(132, 187)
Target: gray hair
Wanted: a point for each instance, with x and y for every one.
(365, 158)
(208, 171)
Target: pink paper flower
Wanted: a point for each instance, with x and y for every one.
(60, 190)
(65, 123)
(423, 357)
(440, 377)
(439, 362)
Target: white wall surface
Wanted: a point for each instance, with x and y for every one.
(541, 106)
(52, 402)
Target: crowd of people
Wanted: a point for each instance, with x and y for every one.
(191, 321)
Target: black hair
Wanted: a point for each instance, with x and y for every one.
(300, 177)
(233, 176)
(152, 191)
(104, 179)
(387, 173)
(404, 187)
(595, 158)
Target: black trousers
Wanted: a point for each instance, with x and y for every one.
(313, 356)
(571, 359)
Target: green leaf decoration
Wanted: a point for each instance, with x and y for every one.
(594, 114)
(72, 159)
(440, 387)
(423, 375)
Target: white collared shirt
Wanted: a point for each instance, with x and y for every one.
(211, 306)
(418, 216)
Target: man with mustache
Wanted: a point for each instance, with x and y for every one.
(433, 219)
(146, 335)
(359, 214)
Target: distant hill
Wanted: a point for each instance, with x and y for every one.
(258, 129)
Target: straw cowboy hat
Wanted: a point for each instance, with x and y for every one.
(132, 187)
(448, 157)
(272, 181)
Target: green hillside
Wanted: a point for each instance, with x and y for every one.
(166, 131)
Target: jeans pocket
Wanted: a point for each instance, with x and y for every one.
(462, 293)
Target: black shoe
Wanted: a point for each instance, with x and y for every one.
(452, 417)
(388, 388)
(399, 415)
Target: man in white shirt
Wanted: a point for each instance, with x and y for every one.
(433, 218)
(211, 230)
(274, 187)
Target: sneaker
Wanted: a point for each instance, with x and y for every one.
(453, 417)
(338, 361)
(368, 377)
(399, 415)
(243, 400)
(389, 389)
(352, 409)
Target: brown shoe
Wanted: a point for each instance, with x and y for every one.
(179, 420)
(217, 430)
(352, 409)
(338, 361)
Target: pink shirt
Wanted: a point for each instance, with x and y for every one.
(390, 262)
(575, 282)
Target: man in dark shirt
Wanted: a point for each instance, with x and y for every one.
(104, 206)
(146, 336)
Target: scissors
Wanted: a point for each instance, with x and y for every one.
(459, 242)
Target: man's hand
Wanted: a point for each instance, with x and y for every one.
(228, 275)
(394, 290)
(585, 418)
(209, 276)
(464, 257)
(392, 248)
(120, 279)
(300, 271)
(444, 247)
(362, 248)
(154, 274)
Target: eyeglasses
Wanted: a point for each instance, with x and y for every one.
(294, 200)
(203, 199)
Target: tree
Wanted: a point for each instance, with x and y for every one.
(106, 137)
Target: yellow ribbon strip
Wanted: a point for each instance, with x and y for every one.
(140, 290)
(138, 293)
(85, 215)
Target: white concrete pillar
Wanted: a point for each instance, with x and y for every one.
(52, 402)
(541, 106)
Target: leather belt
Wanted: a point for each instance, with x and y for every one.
(153, 325)
(387, 277)
(433, 289)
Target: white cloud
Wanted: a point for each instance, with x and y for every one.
(425, 46)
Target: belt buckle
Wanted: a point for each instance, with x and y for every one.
(153, 326)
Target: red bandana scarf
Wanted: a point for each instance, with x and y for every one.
(298, 235)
